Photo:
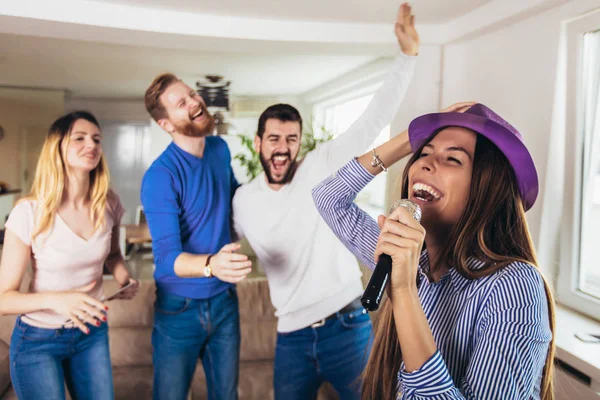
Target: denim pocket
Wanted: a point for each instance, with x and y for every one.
(355, 319)
(171, 304)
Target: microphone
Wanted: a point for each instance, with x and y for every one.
(381, 274)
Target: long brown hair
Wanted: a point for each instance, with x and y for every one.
(494, 230)
(49, 182)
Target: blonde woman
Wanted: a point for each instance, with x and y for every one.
(68, 227)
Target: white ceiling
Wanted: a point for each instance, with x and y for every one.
(265, 47)
(367, 11)
(108, 70)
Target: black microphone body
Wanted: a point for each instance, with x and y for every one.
(374, 291)
(381, 274)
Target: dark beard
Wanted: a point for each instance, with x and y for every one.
(190, 129)
(286, 178)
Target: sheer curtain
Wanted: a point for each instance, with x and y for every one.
(589, 279)
(552, 192)
(591, 113)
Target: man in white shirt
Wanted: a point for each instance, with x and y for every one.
(315, 282)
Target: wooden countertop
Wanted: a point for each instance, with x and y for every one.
(135, 233)
(12, 191)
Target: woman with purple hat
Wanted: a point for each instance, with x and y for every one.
(469, 314)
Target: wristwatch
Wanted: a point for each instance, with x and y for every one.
(207, 268)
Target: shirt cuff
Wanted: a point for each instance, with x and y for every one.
(432, 378)
(403, 61)
(355, 176)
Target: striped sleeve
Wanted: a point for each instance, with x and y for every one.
(431, 381)
(334, 198)
(510, 349)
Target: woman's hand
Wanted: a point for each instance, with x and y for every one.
(79, 307)
(407, 35)
(131, 291)
(459, 107)
(402, 239)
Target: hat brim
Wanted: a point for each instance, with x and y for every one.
(423, 127)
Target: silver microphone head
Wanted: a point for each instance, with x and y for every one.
(410, 205)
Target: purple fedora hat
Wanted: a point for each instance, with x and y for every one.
(484, 121)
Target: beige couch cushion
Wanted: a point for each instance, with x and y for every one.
(137, 312)
(255, 302)
(133, 383)
(258, 340)
(4, 367)
(130, 347)
(7, 324)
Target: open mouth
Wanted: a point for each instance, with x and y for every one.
(279, 163)
(425, 193)
(198, 116)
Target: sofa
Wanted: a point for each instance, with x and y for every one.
(131, 349)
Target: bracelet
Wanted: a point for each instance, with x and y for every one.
(377, 162)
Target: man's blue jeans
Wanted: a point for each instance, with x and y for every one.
(187, 329)
(336, 352)
(42, 360)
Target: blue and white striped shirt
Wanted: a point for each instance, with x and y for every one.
(492, 333)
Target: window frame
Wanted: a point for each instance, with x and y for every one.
(319, 111)
(568, 276)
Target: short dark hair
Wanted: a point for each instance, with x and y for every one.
(152, 97)
(281, 112)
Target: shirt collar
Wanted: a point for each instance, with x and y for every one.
(458, 281)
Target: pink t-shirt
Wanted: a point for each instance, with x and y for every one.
(62, 260)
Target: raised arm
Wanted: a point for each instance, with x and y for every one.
(334, 197)
(385, 102)
(354, 227)
(398, 147)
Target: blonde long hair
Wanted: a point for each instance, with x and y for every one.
(494, 208)
(49, 182)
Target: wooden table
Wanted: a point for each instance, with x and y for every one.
(137, 234)
(134, 237)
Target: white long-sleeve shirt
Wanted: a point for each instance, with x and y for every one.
(310, 272)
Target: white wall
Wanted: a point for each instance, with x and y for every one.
(26, 116)
(513, 71)
(116, 110)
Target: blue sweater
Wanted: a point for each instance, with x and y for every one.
(187, 202)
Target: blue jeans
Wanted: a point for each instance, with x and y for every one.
(187, 329)
(336, 352)
(42, 360)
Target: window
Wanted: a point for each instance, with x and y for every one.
(578, 283)
(337, 119)
(589, 274)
